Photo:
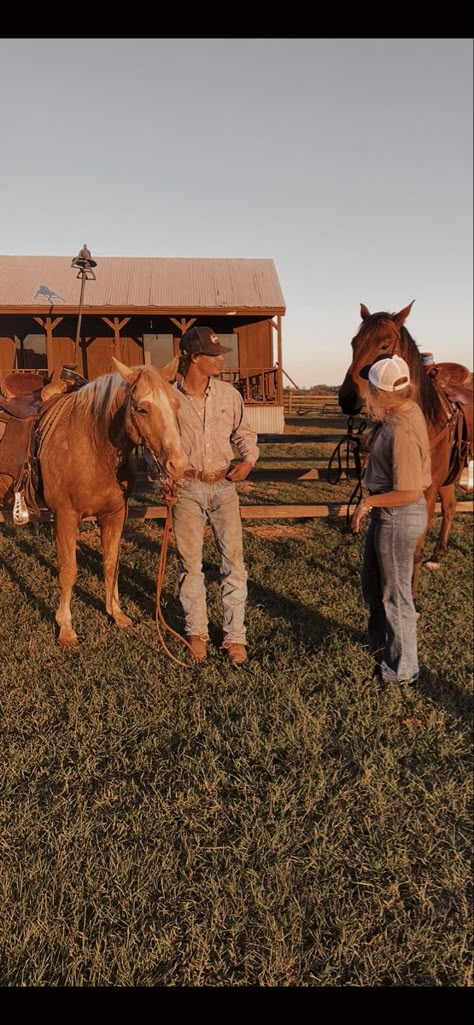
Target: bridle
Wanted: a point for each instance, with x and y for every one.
(351, 443)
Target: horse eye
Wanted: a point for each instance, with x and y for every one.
(139, 409)
(384, 346)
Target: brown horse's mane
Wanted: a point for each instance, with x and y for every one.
(428, 396)
(95, 404)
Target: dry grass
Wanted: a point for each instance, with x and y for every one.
(285, 824)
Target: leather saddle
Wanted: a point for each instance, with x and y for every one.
(454, 384)
(24, 397)
(455, 380)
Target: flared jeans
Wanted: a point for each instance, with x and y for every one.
(387, 570)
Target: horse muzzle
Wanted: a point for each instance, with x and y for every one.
(349, 397)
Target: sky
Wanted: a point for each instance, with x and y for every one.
(346, 161)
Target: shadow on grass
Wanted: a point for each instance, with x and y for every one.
(446, 694)
(307, 626)
(23, 583)
(24, 587)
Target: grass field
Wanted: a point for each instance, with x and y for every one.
(288, 823)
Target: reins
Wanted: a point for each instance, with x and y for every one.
(351, 442)
(170, 496)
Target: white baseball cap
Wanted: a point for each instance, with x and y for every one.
(390, 374)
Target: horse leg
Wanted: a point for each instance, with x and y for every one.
(65, 525)
(111, 527)
(448, 506)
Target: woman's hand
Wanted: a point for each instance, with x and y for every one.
(362, 508)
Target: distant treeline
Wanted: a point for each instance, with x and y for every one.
(322, 389)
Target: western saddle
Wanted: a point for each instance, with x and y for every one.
(24, 395)
(454, 385)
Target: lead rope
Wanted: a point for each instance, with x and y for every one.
(352, 444)
(170, 497)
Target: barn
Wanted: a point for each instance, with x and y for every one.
(137, 308)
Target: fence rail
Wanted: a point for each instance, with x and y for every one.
(247, 512)
(289, 475)
(300, 402)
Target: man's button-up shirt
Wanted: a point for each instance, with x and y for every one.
(207, 435)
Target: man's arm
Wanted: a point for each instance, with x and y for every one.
(245, 439)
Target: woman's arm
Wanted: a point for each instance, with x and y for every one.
(388, 500)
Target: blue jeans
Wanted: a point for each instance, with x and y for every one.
(218, 504)
(387, 570)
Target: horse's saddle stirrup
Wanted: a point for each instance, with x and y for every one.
(20, 511)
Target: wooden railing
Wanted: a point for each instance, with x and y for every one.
(255, 385)
(298, 402)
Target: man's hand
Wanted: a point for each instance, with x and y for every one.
(240, 472)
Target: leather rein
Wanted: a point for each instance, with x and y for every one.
(170, 495)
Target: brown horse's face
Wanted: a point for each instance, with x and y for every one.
(378, 336)
(152, 414)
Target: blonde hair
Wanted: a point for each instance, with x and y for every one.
(381, 403)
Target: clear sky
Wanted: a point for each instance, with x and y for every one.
(346, 161)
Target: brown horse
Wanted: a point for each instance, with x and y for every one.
(85, 454)
(383, 334)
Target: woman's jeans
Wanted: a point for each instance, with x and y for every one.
(387, 571)
(218, 504)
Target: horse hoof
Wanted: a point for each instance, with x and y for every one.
(122, 620)
(68, 640)
(432, 565)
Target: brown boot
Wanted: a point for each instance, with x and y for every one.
(236, 652)
(198, 644)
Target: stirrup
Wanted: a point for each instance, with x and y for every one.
(20, 511)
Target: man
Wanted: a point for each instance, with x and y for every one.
(211, 415)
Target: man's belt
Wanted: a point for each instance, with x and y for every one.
(206, 476)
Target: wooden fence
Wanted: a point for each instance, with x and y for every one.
(291, 475)
(299, 402)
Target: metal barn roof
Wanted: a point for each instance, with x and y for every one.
(137, 284)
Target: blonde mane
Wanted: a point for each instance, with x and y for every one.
(96, 402)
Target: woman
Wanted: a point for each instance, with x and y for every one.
(397, 473)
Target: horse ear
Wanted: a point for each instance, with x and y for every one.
(400, 318)
(169, 371)
(128, 373)
(364, 312)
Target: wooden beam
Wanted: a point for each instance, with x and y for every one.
(280, 364)
(48, 325)
(183, 324)
(247, 512)
(155, 311)
(117, 326)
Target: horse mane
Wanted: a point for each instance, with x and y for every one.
(428, 396)
(95, 404)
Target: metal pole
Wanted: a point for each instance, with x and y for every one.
(78, 331)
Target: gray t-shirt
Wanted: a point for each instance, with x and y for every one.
(400, 458)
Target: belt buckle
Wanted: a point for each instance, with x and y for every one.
(212, 476)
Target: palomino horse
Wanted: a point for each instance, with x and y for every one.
(86, 442)
(448, 410)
